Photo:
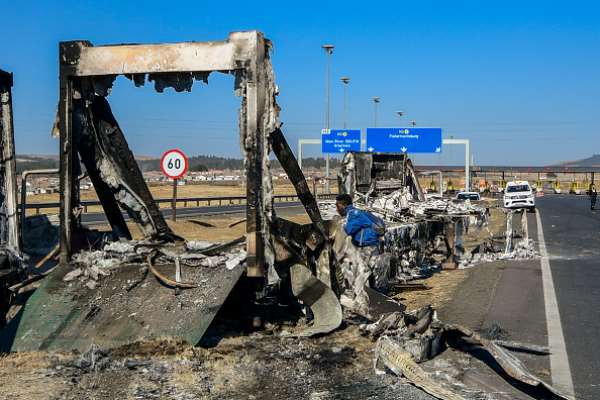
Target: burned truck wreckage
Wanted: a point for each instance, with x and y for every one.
(109, 290)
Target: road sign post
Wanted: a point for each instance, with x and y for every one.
(404, 140)
(174, 164)
(174, 202)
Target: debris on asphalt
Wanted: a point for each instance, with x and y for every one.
(405, 342)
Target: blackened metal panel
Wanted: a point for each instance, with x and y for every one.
(292, 169)
(86, 145)
(388, 166)
(363, 166)
(119, 165)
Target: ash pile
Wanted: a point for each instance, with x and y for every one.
(89, 268)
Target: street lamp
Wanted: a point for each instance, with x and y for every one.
(345, 80)
(376, 101)
(328, 51)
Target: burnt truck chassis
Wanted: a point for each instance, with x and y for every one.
(90, 134)
(10, 261)
(278, 253)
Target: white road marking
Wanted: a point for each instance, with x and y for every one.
(559, 360)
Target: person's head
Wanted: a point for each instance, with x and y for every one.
(342, 201)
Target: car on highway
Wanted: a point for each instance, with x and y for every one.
(473, 196)
(518, 194)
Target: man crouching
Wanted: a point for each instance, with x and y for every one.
(359, 251)
(364, 228)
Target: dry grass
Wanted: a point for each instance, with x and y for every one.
(22, 376)
(221, 231)
(442, 287)
(214, 189)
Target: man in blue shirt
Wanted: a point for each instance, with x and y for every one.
(364, 228)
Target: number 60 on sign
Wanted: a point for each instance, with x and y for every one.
(174, 163)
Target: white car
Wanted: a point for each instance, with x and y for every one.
(518, 194)
(473, 196)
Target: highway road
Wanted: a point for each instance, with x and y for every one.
(292, 207)
(518, 297)
(572, 234)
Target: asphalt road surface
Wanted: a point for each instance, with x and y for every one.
(572, 233)
(510, 294)
(283, 207)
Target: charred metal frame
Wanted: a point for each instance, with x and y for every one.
(9, 233)
(243, 54)
(10, 265)
(367, 173)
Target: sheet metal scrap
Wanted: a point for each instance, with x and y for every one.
(322, 301)
(465, 339)
(391, 355)
(113, 300)
(405, 340)
(309, 244)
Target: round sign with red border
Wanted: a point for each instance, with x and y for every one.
(174, 164)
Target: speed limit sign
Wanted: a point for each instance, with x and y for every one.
(174, 163)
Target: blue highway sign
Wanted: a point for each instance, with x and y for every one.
(404, 140)
(340, 140)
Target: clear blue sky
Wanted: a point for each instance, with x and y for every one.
(521, 79)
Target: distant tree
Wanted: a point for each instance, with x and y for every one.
(215, 162)
(35, 163)
(198, 168)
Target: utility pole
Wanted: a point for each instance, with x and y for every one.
(328, 51)
(376, 101)
(345, 80)
(413, 123)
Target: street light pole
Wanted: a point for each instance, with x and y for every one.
(328, 51)
(376, 101)
(345, 80)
